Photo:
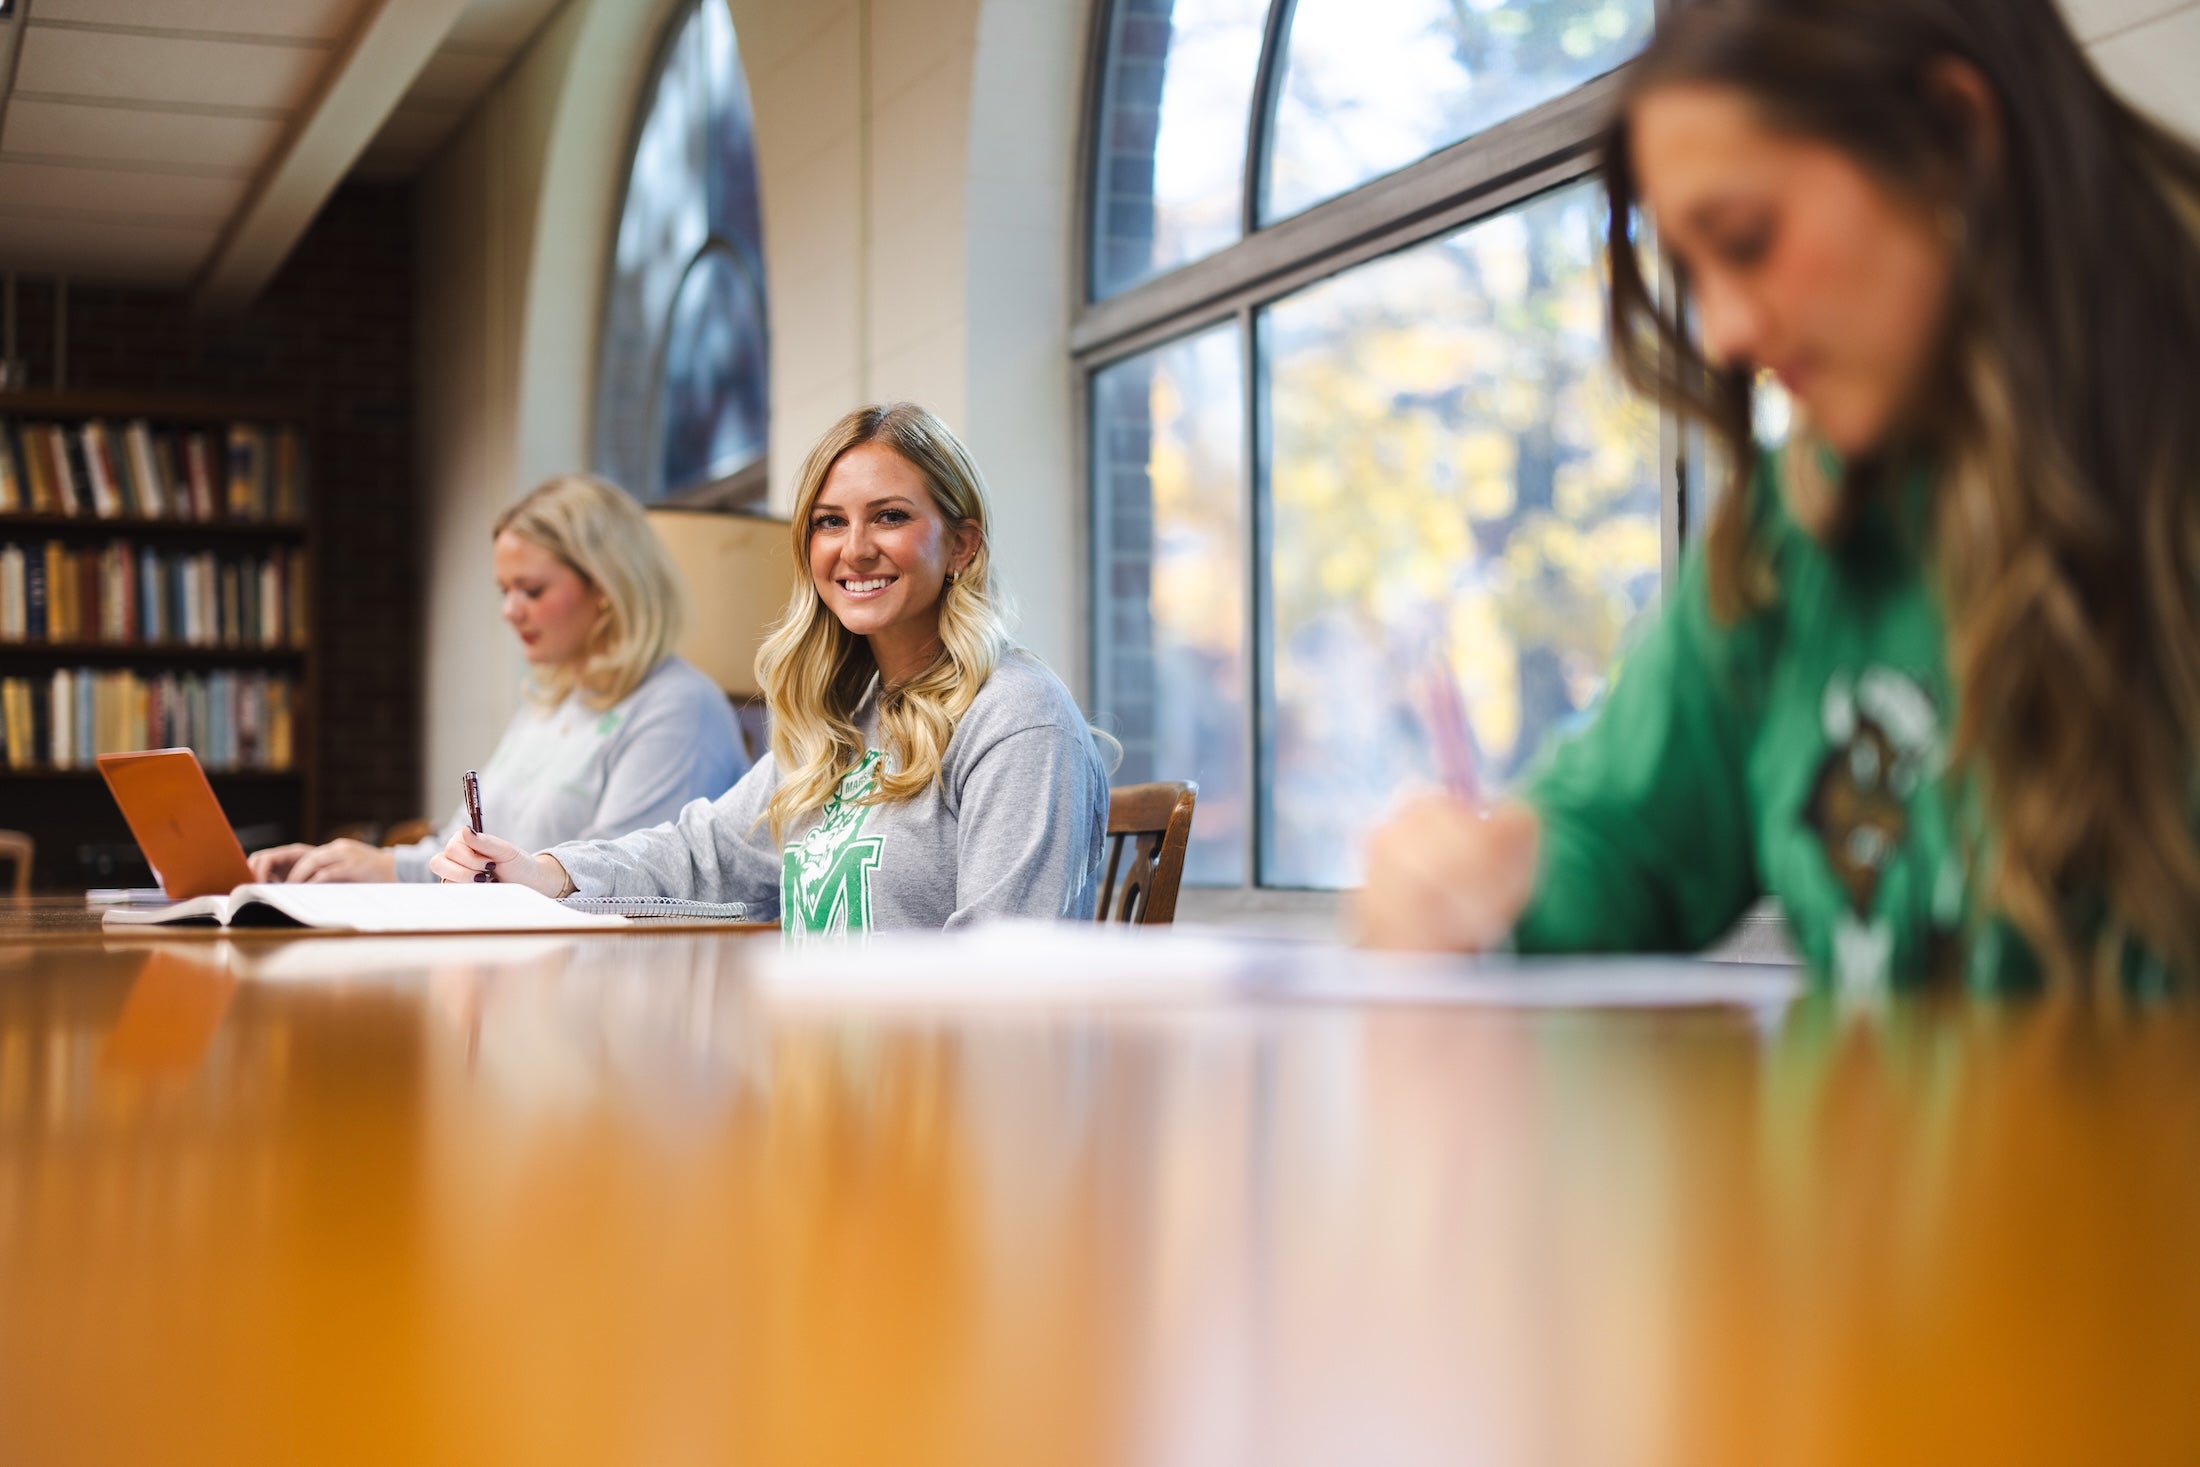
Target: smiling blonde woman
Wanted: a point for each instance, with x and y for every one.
(924, 770)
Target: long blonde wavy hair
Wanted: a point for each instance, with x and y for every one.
(2066, 535)
(601, 533)
(814, 671)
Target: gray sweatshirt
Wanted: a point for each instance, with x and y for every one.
(577, 773)
(1013, 828)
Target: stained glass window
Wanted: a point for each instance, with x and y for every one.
(682, 388)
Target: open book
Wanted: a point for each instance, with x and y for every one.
(369, 907)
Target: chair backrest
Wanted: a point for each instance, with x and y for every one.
(19, 848)
(1148, 827)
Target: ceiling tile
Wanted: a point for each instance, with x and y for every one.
(173, 197)
(95, 64)
(65, 130)
(307, 20)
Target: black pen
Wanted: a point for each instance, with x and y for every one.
(472, 786)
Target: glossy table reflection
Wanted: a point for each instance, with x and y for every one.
(591, 1199)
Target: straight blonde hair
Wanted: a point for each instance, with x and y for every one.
(815, 672)
(600, 532)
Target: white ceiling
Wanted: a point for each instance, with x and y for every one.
(187, 143)
(483, 42)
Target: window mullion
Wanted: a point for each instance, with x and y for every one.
(1265, 80)
(1251, 472)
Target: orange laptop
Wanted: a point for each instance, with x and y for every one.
(177, 821)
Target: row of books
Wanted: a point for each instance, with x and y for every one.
(118, 594)
(181, 474)
(235, 720)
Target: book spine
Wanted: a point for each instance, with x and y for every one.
(38, 468)
(198, 468)
(174, 487)
(34, 596)
(13, 499)
(248, 604)
(209, 600)
(282, 731)
(84, 566)
(61, 701)
(231, 612)
(271, 602)
(301, 603)
(64, 472)
(148, 597)
(152, 497)
(110, 464)
(240, 472)
(124, 580)
(57, 593)
(98, 475)
(13, 613)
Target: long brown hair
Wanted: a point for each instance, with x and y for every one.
(2060, 426)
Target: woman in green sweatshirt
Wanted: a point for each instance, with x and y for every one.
(1932, 676)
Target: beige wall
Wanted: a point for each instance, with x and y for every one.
(2150, 49)
(738, 576)
(908, 255)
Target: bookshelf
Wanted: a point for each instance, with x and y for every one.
(156, 574)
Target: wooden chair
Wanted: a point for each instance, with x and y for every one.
(1148, 827)
(19, 848)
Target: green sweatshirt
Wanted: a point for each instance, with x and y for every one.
(1797, 753)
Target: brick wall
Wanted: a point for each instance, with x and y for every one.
(1123, 213)
(331, 335)
(1124, 678)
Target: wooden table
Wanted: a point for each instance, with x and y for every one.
(596, 1199)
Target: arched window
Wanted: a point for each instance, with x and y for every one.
(1349, 403)
(682, 373)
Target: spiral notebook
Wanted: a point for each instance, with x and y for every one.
(667, 909)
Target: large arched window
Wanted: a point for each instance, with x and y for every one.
(682, 389)
(1349, 404)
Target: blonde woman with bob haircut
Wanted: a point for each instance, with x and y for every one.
(924, 770)
(615, 733)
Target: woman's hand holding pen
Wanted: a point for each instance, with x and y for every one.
(1444, 875)
(471, 853)
(1447, 873)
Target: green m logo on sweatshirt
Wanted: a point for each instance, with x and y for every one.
(825, 877)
